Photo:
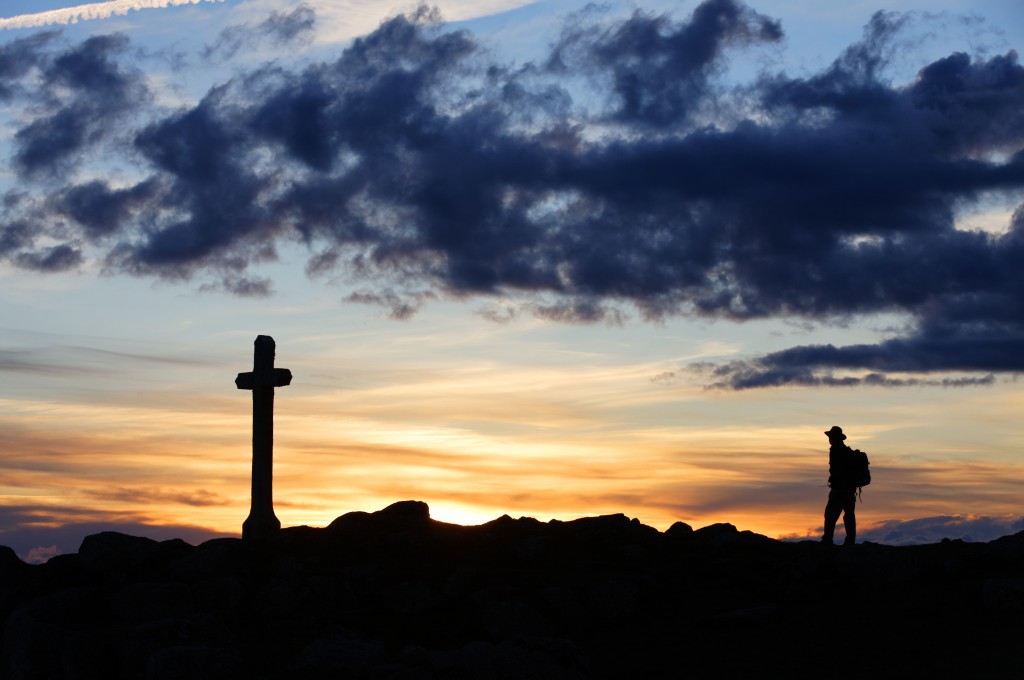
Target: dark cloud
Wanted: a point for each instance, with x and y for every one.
(815, 365)
(660, 70)
(14, 237)
(56, 259)
(242, 286)
(20, 57)
(211, 210)
(415, 162)
(85, 92)
(101, 209)
(579, 310)
(400, 307)
(280, 28)
(974, 106)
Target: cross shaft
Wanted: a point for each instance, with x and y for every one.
(262, 380)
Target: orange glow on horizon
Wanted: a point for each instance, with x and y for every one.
(482, 451)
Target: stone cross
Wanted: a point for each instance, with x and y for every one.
(262, 521)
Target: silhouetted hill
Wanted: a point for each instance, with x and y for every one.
(396, 595)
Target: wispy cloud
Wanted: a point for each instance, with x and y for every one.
(92, 10)
(280, 28)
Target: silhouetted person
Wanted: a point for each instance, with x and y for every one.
(842, 495)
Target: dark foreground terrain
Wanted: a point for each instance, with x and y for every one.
(394, 594)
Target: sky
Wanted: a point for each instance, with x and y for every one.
(543, 259)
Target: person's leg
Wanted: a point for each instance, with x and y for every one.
(832, 510)
(850, 519)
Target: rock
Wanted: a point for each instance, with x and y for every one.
(512, 618)
(725, 535)
(216, 557)
(138, 645)
(717, 534)
(219, 594)
(115, 553)
(1004, 595)
(140, 602)
(1010, 547)
(679, 530)
(405, 516)
(170, 550)
(13, 577)
(9, 561)
(40, 634)
(568, 607)
(66, 570)
(350, 521)
(397, 516)
(607, 528)
(339, 656)
(396, 595)
(537, 657)
(532, 548)
(409, 598)
(196, 663)
(613, 599)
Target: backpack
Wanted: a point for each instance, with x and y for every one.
(860, 473)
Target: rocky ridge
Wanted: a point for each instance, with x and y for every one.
(396, 595)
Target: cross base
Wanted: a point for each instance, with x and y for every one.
(260, 524)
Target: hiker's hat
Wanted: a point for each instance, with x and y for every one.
(836, 431)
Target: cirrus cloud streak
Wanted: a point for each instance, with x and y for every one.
(86, 12)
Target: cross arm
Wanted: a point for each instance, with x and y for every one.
(278, 377)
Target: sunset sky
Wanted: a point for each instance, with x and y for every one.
(525, 258)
